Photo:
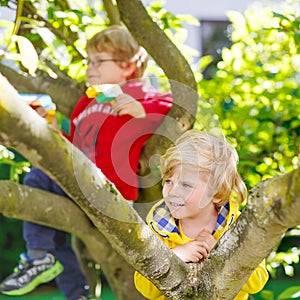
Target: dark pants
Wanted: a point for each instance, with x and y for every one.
(71, 281)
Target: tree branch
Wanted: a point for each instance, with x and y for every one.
(183, 86)
(35, 205)
(261, 221)
(64, 98)
(112, 12)
(67, 36)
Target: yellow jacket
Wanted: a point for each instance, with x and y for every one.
(164, 226)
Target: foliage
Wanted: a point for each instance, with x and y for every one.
(255, 93)
(173, 26)
(253, 97)
(11, 244)
(57, 34)
(289, 293)
(12, 165)
(287, 256)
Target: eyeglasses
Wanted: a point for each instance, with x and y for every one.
(97, 62)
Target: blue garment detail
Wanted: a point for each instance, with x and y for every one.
(167, 224)
(71, 281)
(221, 220)
(164, 220)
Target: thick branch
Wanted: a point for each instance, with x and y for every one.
(21, 202)
(30, 135)
(64, 98)
(272, 209)
(183, 86)
(112, 11)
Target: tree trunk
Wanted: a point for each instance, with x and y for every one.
(25, 203)
(273, 208)
(183, 86)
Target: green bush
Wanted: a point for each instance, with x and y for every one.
(13, 166)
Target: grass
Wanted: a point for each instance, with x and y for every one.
(45, 292)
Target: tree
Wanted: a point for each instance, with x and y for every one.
(126, 232)
(261, 221)
(43, 83)
(254, 97)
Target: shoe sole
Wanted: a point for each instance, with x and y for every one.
(44, 277)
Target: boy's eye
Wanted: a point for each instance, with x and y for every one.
(186, 186)
(168, 182)
(97, 62)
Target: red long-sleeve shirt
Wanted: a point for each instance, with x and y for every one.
(113, 142)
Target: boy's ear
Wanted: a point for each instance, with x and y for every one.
(128, 69)
(216, 201)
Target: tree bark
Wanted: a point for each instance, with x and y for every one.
(150, 190)
(25, 203)
(183, 86)
(272, 209)
(112, 12)
(64, 98)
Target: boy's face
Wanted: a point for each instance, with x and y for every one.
(103, 68)
(186, 194)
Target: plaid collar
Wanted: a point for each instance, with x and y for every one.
(223, 213)
(164, 220)
(167, 224)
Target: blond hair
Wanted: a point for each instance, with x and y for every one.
(117, 40)
(210, 155)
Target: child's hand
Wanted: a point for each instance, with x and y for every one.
(42, 111)
(192, 251)
(127, 105)
(198, 249)
(207, 237)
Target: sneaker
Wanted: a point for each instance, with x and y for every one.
(30, 273)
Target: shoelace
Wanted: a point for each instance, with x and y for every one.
(21, 266)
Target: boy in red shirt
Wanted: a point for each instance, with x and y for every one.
(112, 135)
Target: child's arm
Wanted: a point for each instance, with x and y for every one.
(146, 287)
(192, 251)
(44, 113)
(257, 280)
(196, 250)
(124, 104)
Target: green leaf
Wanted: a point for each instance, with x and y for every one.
(290, 293)
(205, 61)
(267, 295)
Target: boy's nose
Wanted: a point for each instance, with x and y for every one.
(174, 190)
